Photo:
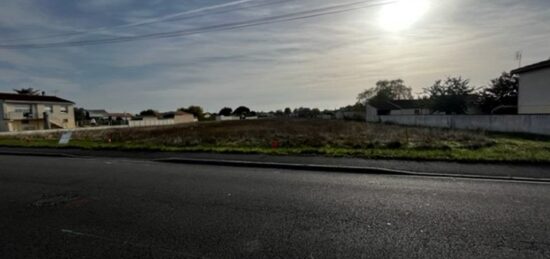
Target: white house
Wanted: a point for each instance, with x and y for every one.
(534, 88)
(20, 112)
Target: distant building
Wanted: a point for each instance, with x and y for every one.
(184, 117)
(534, 88)
(167, 118)
(397, 107)
(98, 114)
(178, 117)
(19, 112)
(124, 116)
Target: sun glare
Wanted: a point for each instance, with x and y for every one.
(402, 14)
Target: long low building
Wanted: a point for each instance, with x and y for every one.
(21, 112)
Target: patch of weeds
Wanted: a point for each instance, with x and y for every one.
(479, 145)
(428, 147)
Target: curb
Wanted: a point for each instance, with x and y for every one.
(340, 169)
(37, 154)
(300, 167)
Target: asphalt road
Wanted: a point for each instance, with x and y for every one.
(115, 208)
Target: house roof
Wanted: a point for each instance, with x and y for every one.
(401, 104)
(536, 66)
(33, 98)
(98, 113)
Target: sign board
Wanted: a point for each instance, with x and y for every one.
(65, 138)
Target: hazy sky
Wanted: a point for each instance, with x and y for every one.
(318, 62)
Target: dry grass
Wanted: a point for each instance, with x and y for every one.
(330, 138)
(289, 134)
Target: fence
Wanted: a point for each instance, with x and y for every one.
(131, 124)
(534, 124)
(145, 123)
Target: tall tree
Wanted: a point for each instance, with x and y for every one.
(385, 90)
(27, 91)
(226, 111)
(241, 111)
(502, 91)
(450, 96)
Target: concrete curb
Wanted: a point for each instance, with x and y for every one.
(38, 154)
(340, 169)
(299, 167)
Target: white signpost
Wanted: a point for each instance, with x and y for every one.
(65, 138)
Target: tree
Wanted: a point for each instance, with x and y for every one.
(241, 111)
(197, 111)
(502, 91)
(27, 91)
(358, 107)
(288, 111)
(304, 112)
(226, 111)
(149, 112)
(385, 90)
(450, 96)
(315, 112)
(80, 115)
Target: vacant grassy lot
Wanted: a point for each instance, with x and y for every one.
(332, 138)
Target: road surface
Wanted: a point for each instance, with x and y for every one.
(116, 208)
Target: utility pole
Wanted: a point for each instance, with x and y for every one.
(519, 56)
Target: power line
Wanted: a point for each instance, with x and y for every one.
(213, 28)
(168, 18)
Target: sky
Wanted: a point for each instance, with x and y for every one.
(322, 61)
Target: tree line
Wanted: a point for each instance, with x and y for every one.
(453, 95)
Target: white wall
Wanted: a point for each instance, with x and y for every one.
(372, 113)
(227, 118)
(187, 118)
(535, 124)
(144, 123)
(534, 92)
(410, 112)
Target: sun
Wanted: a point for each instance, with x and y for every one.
(402, 14)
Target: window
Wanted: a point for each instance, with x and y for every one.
(64, 109)
(48, 108)
(24, 108)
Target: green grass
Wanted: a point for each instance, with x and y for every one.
(327, 138)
